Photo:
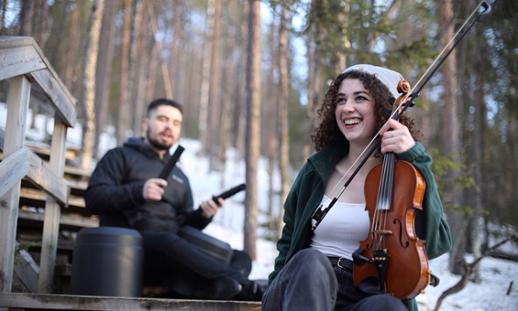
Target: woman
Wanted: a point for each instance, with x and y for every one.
(313, 270)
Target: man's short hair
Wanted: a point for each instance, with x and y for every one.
(161, 102)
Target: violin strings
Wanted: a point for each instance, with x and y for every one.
(389, 180)
(378, 209)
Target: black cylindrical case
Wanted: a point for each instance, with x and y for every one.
(107, 261)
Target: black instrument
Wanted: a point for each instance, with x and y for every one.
(228, 193)
(168, 167)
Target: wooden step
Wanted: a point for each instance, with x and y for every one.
(37, 198)
(70, 222)
(70, 302)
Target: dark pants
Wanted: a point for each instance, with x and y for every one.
(310, 281)
(185, 269)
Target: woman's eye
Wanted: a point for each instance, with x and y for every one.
(361, 98)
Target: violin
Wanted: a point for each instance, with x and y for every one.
(392, 254)
(392, 248)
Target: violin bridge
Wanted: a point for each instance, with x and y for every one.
(386, 232)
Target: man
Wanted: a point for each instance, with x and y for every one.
(125, 191)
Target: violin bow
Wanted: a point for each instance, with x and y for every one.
(482, 8)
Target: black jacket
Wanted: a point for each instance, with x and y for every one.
(115, 191)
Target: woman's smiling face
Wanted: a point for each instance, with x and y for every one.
(354, 112)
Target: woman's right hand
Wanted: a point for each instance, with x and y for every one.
(396, 138)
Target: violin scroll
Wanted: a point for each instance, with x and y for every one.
(403, 86)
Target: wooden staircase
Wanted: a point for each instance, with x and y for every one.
(40, 196)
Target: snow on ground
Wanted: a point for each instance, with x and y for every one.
(488, 295)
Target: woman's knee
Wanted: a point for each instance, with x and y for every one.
(381, 302)
(312, 263)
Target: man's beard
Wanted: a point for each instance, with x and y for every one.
(155, 143)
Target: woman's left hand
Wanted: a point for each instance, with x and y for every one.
(396, 138)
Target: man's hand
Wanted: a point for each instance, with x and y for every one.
(210, 208)
(154, 189)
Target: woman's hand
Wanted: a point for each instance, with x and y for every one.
(396, 138)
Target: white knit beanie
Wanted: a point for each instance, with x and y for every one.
(388, 77)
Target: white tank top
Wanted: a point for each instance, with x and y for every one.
(341, 230)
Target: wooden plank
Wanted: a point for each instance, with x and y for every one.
(17, 105)
(68, 302)
(26, 271)
(13, 169)
(36, 198)
(52, 211)
(25, 163)
(78, 173)
(11, 43)
(65, 220)
(20, 60)
(43, 150)
(63, 105)
(15, 41)
(42, 176)
(78, 185)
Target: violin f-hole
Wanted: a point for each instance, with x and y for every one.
(405, 244)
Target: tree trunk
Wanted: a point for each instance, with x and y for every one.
(192, 90)
(134, 67)
(2, 21)
(26, 18)
(89, 83)
(205, 78)
(253, 115)
(122, 117)
(478, 145)
(215, 87)
(73, 44)
(271, 131)
(177, 31)
(230, 63)
(41, 28)
(138, 64)
(224, 124)
(103, 74)
(240, 135)
(451, 141)
(156, 41)
(283, 112)
(314, 81)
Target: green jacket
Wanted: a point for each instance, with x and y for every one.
(308, 189)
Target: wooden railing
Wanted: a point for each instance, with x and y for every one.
(23, 64)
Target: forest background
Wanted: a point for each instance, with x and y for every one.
(251, 75)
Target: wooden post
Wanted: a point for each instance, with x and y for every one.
(17, 105)
(52, 210)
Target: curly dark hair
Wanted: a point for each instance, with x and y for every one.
(328, 133)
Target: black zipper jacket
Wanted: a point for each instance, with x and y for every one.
(115, 191)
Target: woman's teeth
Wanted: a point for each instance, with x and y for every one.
(351, 121)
